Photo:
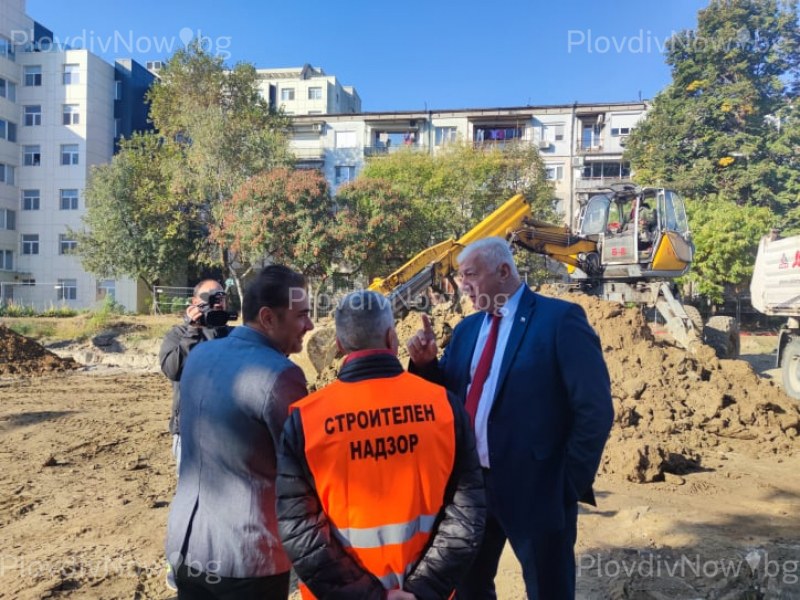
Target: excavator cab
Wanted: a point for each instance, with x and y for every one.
(640, 232)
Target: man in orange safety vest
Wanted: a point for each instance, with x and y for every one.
(380, 493)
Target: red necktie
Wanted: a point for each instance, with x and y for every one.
(482, 370)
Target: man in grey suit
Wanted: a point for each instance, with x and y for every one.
(222, 537)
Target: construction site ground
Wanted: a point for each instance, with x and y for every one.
(698, 494)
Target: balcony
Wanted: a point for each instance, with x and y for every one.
(384, 149)
(309, 154)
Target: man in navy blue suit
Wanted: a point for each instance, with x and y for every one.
(531, 372)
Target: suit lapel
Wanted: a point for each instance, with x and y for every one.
(522, 320)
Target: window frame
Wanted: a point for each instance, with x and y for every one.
(34, 201)
(74, 155)
(287, 91)
(67, 289)
(72, 199)
(66, 245)
(315, 89)
(70, 114)
(35, 159)
(31, 77)
(35, 117)
(71, 74)
(30, 247)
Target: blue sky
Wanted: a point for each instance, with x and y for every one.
(407, 55)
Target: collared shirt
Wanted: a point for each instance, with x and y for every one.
(508, 311)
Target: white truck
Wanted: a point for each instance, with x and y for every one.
(775, 291)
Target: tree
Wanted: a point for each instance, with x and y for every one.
(709, 131)
(282, 215)
(453, 189)
(134, 226)
(726, 236)
(376, 228)
(223, 131)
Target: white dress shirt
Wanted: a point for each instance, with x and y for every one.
(508, 311)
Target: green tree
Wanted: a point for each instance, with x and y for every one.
(453, 189)
(710, 131)
(281, 215)
(376, 228)
(133, 224)
(223, 131)
(726, 235)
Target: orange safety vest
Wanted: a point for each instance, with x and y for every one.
(381, 452)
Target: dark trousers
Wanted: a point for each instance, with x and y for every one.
(197, 585)
(547, 558)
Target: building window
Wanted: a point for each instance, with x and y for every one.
(8, 130)
(554, 172)
(31, 156)
(71, 75)
(287, 94)
(70, 115)
(69, 200)
(69, 154)
(33, 115)
(606, 170)
(7, 262)
(30, 243)
(345, 174)
(497, 134)
(118, 90)
(345, 139)
(8, 90)
(106, 288)
(315, 93)
(6, 48)
(615, 131)
(445, 135)
(30, 199)
(7, 174)
(67, 289)
(117, 127)
(66, 244)
(8, 219)
(33, 75)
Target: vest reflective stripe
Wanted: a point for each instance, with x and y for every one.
(380, 452)
(375, 537)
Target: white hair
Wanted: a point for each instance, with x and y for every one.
(362, 320)
(493, 252)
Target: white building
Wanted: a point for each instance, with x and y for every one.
(581, 144)
(61, 113)
(307, 90)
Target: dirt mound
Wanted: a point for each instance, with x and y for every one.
(674, 408)
(22, 356)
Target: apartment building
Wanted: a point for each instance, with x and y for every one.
(580, 144)
(61, 112)
(307, 90)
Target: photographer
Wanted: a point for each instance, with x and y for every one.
(204, 320)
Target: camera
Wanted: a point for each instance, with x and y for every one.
(211, 316)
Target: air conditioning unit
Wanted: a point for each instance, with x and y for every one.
(577, 161)
(544, 144)
(623, 140)
(601, 118)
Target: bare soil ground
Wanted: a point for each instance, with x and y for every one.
(698, 497)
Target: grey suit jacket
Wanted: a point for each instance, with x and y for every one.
(235, 394)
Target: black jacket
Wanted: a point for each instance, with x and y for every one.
(319, 558)
(176, 346)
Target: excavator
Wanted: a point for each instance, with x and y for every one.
(629, 246)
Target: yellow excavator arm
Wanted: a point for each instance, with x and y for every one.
(512, 220)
